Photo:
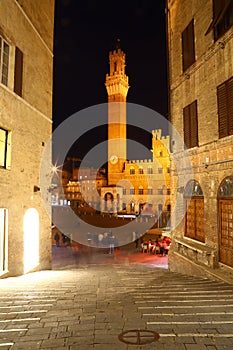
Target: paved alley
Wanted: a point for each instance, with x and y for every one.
(122, 304)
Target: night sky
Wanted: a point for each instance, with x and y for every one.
(85, 32)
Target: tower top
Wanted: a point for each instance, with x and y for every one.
(118, 44)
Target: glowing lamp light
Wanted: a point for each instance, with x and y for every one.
(31, 239)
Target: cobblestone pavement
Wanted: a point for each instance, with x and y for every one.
(88, 305)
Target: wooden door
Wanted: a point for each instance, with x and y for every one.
(226, 231)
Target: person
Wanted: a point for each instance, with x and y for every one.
(100, 239)
(137, 241)
(163, 248)
(57, 238)
(111, 242)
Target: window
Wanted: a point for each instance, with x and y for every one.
(225, 108)
(140, 190)
(5, 148)
(222, 17)
(149, 170)
(160, 191)
(168, 170)
(132, 171)
(132, 191)
(160, 170)
(124, 191)
(140, 170)
(188, 47)
(4, 61)
(150, 190)
(190, 125)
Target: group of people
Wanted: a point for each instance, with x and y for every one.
(160, 246)
(66, 241)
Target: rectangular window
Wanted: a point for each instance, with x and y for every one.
(124, 191)
(5, 148)
(160, 170)
(140, 191)
(225, 108)
(188, 46)
(190, 125)
(160, 191)
(132, 191)
(4, 61)
(150, 190)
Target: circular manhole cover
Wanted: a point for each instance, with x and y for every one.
(138, 336)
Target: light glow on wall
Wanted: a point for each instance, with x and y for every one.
(31, 239)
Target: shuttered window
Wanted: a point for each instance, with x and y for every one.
(188, 46)
(225, 108)
(190, 125)
(18, 79)
(223, 12)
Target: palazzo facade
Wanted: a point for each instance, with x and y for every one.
(200, 49)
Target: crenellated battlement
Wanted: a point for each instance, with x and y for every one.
(139, 161)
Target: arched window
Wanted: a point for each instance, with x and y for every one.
(225, 220)
(132, 170)
(149, 170)
(140, 170)
(194, 216)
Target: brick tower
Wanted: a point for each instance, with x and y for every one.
(117, 88)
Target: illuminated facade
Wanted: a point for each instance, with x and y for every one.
(200, 46)
(144, 184)
(26, 59)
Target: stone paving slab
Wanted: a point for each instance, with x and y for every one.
(87, 307)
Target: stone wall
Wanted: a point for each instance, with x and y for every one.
(29, 119)
(212, 160)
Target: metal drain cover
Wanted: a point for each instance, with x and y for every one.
(138, 336)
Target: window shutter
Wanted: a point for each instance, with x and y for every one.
(193, 125)
(188, 47)
(230, 105)
(18, 71)
(186, 123)
(222, 110)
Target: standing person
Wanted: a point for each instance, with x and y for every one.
(111, 243)
(57, 238)
(100, 239)
(133, 236)
(137, 241)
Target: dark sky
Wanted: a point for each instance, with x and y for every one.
(85, 32)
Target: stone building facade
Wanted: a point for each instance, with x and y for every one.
(26, 63)
(200, 50)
